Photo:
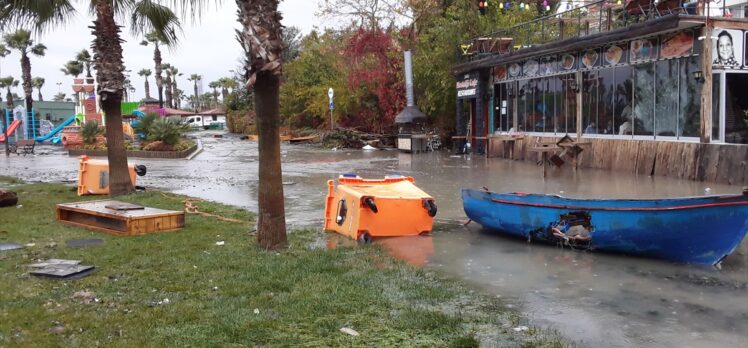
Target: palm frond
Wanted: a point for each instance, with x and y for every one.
(41, 15)
(38, 50)
(149, 16)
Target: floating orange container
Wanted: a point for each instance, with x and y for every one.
(93, 176)
(366, 208)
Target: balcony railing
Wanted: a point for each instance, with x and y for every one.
(594, 18)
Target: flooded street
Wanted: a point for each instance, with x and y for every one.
(594, 298)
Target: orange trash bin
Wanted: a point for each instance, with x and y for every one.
(93, 176)
(365, 208)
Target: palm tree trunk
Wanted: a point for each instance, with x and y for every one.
(28, 88)
(175, 93)
(159, 81)
(147, 89)
(197, 99)
(168, 91)
(40, 97)
(271, 221)
(109, 66)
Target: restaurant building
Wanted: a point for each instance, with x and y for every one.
(653, 87)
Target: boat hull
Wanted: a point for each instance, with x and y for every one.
(701, 230)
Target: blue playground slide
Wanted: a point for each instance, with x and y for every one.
(57, 129)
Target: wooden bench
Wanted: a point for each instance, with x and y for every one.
(25, 146)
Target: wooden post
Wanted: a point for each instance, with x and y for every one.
(706, 88)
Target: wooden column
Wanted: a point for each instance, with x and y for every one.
(706, 88)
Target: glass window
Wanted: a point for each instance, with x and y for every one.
(644, 95)
(607, 88)
(502, 106)
(623, 100)
(689, 110)
(549, 107)
(736, 108)
(522, 105)
(590, 102)
(666, 122)
(568, 112)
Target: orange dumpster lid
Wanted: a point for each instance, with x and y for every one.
(386, 188)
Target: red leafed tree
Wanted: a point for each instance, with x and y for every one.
(375, 66)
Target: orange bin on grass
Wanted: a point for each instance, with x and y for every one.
(93, 176)
(365, 208)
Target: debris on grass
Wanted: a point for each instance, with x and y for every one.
(349, 331)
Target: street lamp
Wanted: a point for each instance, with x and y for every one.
(58, 87)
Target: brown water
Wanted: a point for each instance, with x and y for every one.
(594, 298)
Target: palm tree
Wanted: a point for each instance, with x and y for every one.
(175, 92)
(215, 85)
(59, 97)
(226, 84)
(4, 52)
(145, 16)
(21, 41)
(38, 83)
(167, 82)
(73, 68)
(85, 59)
(156, 39)
(145, 73)
(195, 78)
(261, 38)
(9, 82)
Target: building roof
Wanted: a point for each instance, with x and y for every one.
(211, 112)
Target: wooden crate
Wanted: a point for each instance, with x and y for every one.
(96, 216)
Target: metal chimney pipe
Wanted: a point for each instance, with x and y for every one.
(409, 79)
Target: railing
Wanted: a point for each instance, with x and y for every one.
(594, 18)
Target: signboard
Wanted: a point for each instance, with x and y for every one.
(499, 73)
(727, 47)
(467, 85)
(548, 65)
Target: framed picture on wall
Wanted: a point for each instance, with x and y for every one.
(676, 45)
(643, 50)
(728, 48)
(615, 54)
(499, 73)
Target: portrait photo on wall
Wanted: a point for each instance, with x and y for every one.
(727, 48)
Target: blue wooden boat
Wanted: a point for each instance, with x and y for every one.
(700, 230)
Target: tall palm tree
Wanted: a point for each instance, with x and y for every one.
(21, 41)
(38, 83)
(73, 68)
(156, 40)
(144, 15)
(175, 91)
(215, 85)
(261, 37)
(168, 95)
(195, 78)
(9, 82)
(85, 59)
(4, 52)
(145, 73)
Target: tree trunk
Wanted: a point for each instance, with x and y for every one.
(159, 81)
(168, 91)
(109, 66)
(40, 97)
(197, 99)
(28, 89)
(175, 93)
(271, 221)
(147, 89)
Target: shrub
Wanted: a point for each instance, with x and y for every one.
(166, 131)
(89, 131)
(145, 123)
(239, 121)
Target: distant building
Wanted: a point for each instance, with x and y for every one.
(54, 111)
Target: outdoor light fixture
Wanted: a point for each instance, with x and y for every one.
(698, 75)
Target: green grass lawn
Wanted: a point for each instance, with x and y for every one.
(229, 295)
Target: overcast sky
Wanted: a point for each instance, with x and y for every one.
(207, 48)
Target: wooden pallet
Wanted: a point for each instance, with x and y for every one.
(122, 220)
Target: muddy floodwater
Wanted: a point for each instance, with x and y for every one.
(597, 299)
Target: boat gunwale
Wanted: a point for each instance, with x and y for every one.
(635, 201)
